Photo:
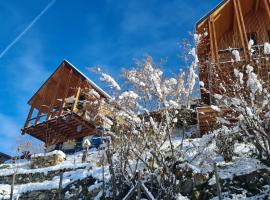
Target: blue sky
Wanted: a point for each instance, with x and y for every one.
(108, 33)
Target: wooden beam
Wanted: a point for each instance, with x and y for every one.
(243, 26)
(54, 98)
(74, 107)
(29, 117)
(63, 103)
(267, 8)
(240, 26)
(257, 4)
(82, 121)
(217, 17)
(215, 40)
(42, 102)
(211, 41)
(38, 117)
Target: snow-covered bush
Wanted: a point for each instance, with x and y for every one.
(145, 116)
(225, 143)
(250, 109)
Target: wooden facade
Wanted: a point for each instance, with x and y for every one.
(64, 108)
(230, 26)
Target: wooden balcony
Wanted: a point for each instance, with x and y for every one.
(59, 129)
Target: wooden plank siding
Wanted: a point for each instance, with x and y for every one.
(227, 27)
(208, 118)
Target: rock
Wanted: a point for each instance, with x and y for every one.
(187, 187)
(200, 178)
(47, 160)
(34, 177)
(189, 177)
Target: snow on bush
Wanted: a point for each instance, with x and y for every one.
(253, 82)
(249, 105)
(149, 109)
(236, 54)
(108, 79)
(94, 93)
(215, 108)
(266, 48)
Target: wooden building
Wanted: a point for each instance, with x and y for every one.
(4, 157)
(228, 27)
(65, 108)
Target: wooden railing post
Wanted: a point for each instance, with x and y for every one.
(29, 117)
(241, 27)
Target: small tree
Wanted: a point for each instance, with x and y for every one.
(145, 116)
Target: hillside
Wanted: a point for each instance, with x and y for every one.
(243, 178)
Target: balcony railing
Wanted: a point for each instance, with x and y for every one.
(227, 56)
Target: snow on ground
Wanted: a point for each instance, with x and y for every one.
(261, 196)
(200, 153)
(239, 167)
(56, 152)
(72, 162)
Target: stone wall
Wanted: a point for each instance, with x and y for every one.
(47, 159)
(34, 177)
(74, 191)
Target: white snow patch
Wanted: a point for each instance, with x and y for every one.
(215, 108)
(239, 167)
(56, 152)
(236, 54)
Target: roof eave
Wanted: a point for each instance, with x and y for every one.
(89, 80)
(209, 13)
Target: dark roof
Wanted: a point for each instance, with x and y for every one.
(5, 155)
(209, 13)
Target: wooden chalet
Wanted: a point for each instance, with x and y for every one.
(230, 26)
(65, 107)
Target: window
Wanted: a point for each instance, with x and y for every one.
(252, 36)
